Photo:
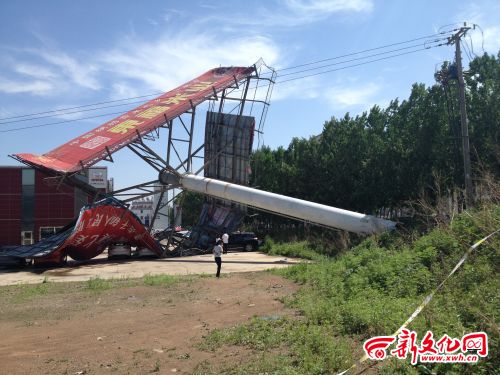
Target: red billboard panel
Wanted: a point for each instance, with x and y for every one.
(99, 225)
(104, 224)
(97, 144)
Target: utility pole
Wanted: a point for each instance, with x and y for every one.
(455, 39)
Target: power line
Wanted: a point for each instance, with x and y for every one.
(359, 64)
(63, 110)
(368, 50)
(68, 113)
(59, 122)
(278, 82)
(80, 106)
(360, 58)
(466, 50)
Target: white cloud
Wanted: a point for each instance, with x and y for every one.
(289, 14)
(487, 35)
(307, 88)
(5, 113)
(35, 87)
(45, 71)
(124, 90)
(489, 39)
(299, 12)
(176, 58)
(83, 75)
(33, 70)
(135, 65)
(343, 98)
(321, 8)
(152, 22)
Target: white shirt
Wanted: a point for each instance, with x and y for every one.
(217, 251)
(225, 238)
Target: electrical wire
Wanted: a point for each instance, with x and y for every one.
(62, 111)
(368, 50)
(80, 106)
(482, 35)
(359, 64)
(70, 113)
(59, 122)
(354, 65)
(277, 82)
(357, 59)
(467, 51)
(472, 46)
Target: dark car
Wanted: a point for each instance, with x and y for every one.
(247, 241)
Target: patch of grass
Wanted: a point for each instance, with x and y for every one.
(308, 349)
(98, 285)
(371, 290)
(31, 291)
(301, 249)
(163, 280)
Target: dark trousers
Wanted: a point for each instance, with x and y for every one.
(218, 260)
(224, 248)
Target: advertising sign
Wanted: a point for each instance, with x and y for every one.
(98, 144)
(105, 223)
(98, 177)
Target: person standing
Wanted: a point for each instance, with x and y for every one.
(225, 242)
(217, 256)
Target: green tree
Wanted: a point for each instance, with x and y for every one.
(386, 157)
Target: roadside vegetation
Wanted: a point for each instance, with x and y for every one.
(402, 162)
(380, 160)
(20, 293)
(389, 162)
(371, 290)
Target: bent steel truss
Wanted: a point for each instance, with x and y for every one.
(242, 91)
(100, 143)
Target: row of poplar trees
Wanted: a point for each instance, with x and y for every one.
(387, 157)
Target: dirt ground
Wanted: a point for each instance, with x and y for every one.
(133, 268)
(131, 329)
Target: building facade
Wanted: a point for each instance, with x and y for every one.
(31, 208)
(144, 210)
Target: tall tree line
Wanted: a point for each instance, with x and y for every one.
(386, 157)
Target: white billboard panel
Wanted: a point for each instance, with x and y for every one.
(98, 177)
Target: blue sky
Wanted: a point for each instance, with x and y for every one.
(59, 54)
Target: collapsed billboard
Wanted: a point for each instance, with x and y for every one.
(100, 224)
(98, 144)
(228, 144)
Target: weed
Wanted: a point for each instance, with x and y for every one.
(163, 280)
(26, 292)
(296, 249)
(371, 290)
(98, 285)
(157, 366)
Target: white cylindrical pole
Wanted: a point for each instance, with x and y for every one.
(281, 204)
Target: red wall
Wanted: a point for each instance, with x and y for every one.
(10, 206)
(54, 205)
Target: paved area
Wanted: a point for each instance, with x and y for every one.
(133, 268)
